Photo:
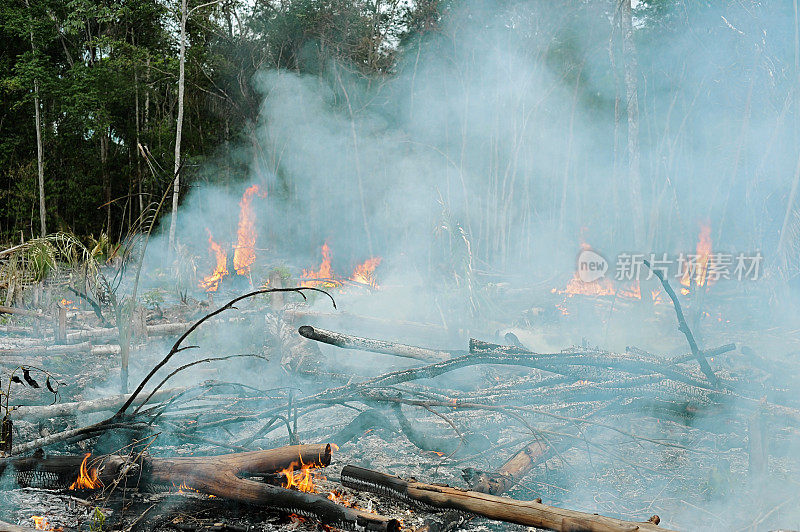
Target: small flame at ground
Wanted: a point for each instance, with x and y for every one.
(301, 479)
(68, 304)
(88, 478)
(365, 272)
(210, 283)
(324, 276)
(698, 271)
(41, 523)
(245, 255)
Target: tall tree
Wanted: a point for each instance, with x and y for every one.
(38, 125)
(176, 186)
(632, 109)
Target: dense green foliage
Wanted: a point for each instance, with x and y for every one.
(107, 74)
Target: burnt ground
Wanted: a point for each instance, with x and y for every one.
(693, 466)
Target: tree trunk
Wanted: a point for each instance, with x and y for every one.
(39, 146)
(632, 107)
(106, 178)
(146, 123)
(178, 129)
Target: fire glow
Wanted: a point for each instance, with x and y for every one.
(88, 478)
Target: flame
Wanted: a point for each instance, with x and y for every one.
(210, 283)
(699, 270)
(244, 255)
(655, 295)
(365, 272)
(87, 479)
(41, 523)
(68, 304)
(634, 291)
(302, 479)
(324, 276)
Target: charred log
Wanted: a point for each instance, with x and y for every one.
(527, 513)
(346, 341)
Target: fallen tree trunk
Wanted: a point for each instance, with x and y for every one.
(528, 513)
(21, 312)
(346, 341)
(109, 404)
(83, 347)
(112, 333)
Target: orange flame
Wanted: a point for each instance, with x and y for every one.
(302, 479)
(41, 523)
(88, 478)
(244, 255)
(68, 304)
(365, 272)
(210, 283)
(699, 270)
(324, 276)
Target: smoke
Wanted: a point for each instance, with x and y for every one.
(499, 144)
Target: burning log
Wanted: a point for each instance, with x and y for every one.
(59, 472)
(64, 472)
(346, 341)
(214, 475)
(528, 513)
(218, 477)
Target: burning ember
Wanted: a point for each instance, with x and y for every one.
(365, 272)
(88, 478)
(244, 255)
(210, 283)
(697, 267)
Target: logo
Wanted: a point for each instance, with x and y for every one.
(591, 266)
